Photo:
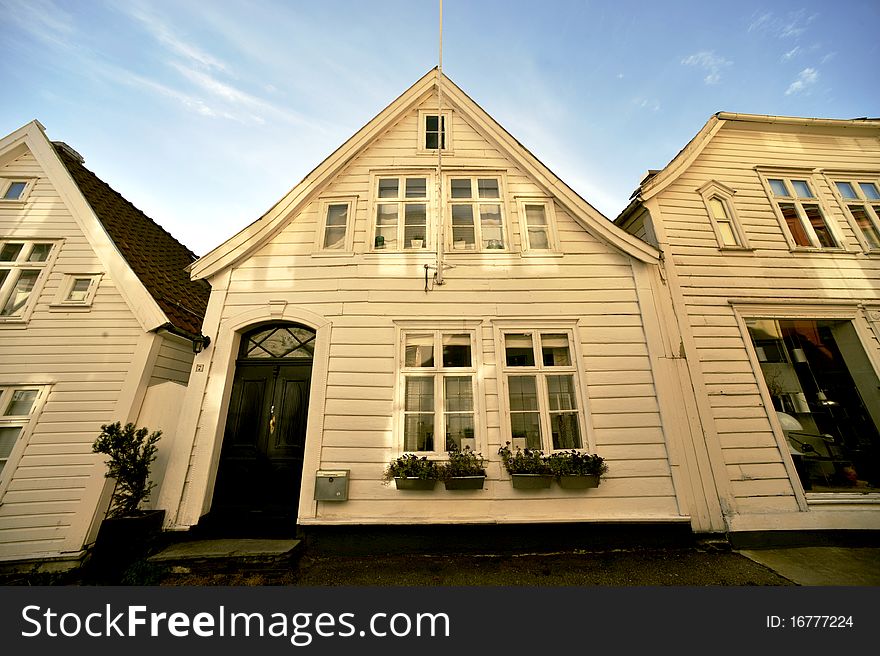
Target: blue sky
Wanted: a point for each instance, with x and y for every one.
(204, 113)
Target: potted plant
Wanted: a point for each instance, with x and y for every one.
(410, 472)
(127, 529)
(465, 470)
(528, 468)
(575, 470)
(417, 241)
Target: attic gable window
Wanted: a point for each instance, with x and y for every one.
(721, 209)
(434, 129)
(22, 265)
(799, 212)
(861, 200)
(14, 191)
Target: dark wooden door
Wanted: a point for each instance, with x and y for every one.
(260, 469)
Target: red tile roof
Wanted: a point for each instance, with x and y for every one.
(157, 258)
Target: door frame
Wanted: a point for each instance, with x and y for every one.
(188, 487)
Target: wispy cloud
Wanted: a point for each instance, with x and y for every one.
(791, 54)
(805, 79)
(42, 19)
(793, 24)
(160, 31)
(827, 58)
(709, 62)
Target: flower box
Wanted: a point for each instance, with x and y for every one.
(465, 482)
(578, 482)
(531, 481)
(415, 483)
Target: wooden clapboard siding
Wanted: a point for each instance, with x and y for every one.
(708, 278)
(85, 356)
(587, 284)
(173, 361)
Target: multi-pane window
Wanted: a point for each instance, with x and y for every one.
(862, 199)
(435, 131)
(401, 213)
(800, 210)
(542, 390)
(336, 228)
(476, 216)
(21, 263)
(17, 405)
(726, 230)
(438, 390)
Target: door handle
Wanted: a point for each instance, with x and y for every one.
(272, 419)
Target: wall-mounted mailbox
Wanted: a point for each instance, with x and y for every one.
(331, 485)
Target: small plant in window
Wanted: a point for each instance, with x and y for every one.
(523, 461)
(411, 472)
(465, 470)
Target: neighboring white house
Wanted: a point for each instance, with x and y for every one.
(403, 300)
(770, 232)
(97, 317)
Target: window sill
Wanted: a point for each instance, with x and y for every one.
(332, 254)
(836, 498)
(736, 249)
(540, 254)
(433, 152)
(70, 307)
(814, 250)
(13, 322)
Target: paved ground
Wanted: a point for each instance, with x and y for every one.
(283, 562)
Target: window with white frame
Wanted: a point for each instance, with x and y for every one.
(437, 381)
(475, 211)
(861, 198)
(17, 406)
(800, 212)
(21, 264)
(77, 290)
(538, 224)
(540, 375)
(336, 226)
(14, 190)
(401, 212)
(434, 129)
(718, 200)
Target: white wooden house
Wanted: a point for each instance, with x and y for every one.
(97, 317)
(770, 232)
(403, 300)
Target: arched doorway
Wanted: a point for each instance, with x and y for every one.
(260, 469)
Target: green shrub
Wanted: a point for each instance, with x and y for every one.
(411, 466)
(462, 462)
(132, 452)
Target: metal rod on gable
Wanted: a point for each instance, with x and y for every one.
(441, 141)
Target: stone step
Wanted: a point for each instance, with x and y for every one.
(194, 555)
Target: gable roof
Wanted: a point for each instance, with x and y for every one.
(146, 263)
(257, 233)
(158, 259)
(656, 181)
